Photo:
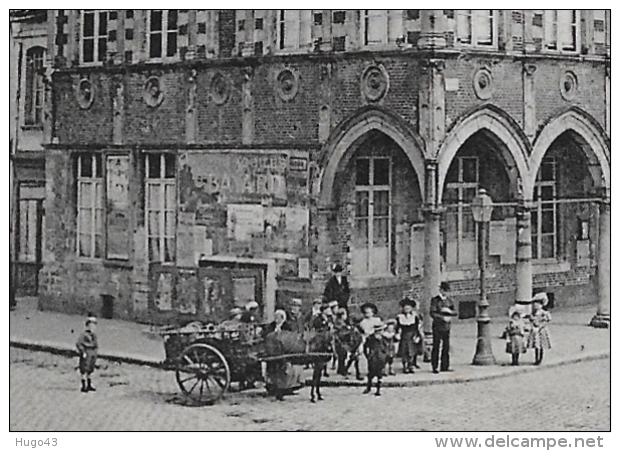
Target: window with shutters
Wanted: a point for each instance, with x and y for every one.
(560, 30)
(372, 230)
(545, 211)
(94, 36)
(90, 205)
(160, 206)
(476, 27)
(163, 27)
(35, 88)
(294, 29)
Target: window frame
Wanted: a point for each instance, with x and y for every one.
(164, 32)
(371, 189)
(304, 21)
(96, 37)
(475, 33)
(555, 22)
(35, 87)
(96, 185)
(161, 184)
(366, 15)
(462, 207)
(540, 206)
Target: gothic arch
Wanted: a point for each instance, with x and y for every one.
(347, 135)
(596, 144)
(512, 142)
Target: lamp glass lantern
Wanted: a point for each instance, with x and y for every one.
(482, 206)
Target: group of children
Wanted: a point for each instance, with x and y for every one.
(529, 331)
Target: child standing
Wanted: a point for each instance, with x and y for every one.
(376, 350)
(539, 338)
(409, 326)
(87, 348)
(370, 319)
(515, 332)
(390, 335)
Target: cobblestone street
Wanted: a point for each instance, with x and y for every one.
(44, 396)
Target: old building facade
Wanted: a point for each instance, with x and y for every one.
(198, 159)
(28, 82)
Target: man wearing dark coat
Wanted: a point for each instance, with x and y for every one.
(442, 311)
(337, 288)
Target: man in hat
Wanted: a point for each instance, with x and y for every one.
(337, 288)
(376, 351)
(442, 311)
(87, 350)
(295, 320)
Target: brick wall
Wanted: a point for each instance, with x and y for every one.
(76, 125)
(507, 86)
(163, 124)
(219, 123)
(589, 97)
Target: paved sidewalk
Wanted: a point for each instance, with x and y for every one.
(573, 341)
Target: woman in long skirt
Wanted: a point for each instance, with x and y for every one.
(409, 327)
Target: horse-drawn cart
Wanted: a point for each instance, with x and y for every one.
(208, 358)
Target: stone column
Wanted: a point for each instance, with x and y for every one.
(118, 107)
(432, 34)
(326, 28)
(529, 101)
(432, 254)
(602, 319)
(247, 107)
(524, 256)
(190, 111)
(192, 34)
(608, 98)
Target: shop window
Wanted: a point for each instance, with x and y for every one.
(160, 205)
(476, 27)
(94, 36)
(89, 205)
(560, 29)
(294, 29)
(460, 229)
(372, 230)
(35, 89)
(163, 26)
(544, 213)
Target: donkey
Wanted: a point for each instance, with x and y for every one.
(321, 342)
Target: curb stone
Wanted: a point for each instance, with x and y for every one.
(54, 348)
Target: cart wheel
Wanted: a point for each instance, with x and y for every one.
(203, 373)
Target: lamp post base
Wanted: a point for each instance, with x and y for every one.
(601, 321)
(484, 351)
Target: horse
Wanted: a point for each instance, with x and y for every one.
(321, 342)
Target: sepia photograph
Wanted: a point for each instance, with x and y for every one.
(311, 220)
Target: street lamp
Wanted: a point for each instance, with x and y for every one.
(481, 209)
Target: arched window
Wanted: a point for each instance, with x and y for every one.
(35, 89)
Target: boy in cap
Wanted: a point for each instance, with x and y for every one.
(376, 350)
(87, 348)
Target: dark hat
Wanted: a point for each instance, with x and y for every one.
(444, 286)
(408, 301)
(337, 268)
(369, 305)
